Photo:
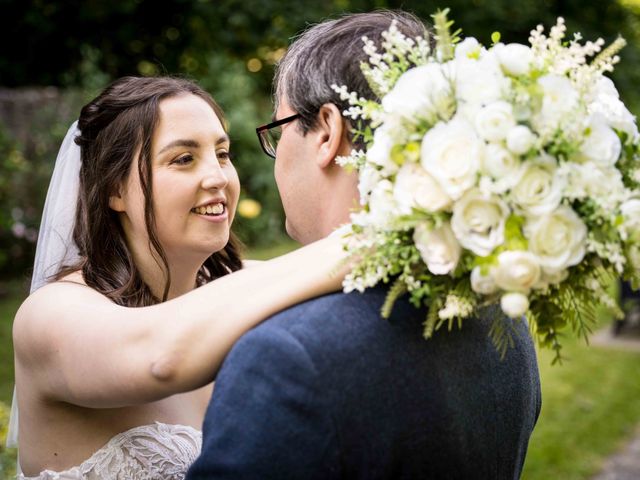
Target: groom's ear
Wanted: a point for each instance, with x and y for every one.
(116, 200)
(332, 139)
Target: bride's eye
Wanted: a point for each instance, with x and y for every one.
(183, 160)
(224, 155)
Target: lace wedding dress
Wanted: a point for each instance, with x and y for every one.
(148, 452)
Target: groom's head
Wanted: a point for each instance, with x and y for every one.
(316, 193)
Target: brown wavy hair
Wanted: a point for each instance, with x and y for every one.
(114, 127)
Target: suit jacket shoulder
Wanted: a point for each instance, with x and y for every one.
(329, 389)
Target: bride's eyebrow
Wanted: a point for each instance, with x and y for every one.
(180, 143)
(223, 139)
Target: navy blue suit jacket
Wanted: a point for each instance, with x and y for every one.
(328, 389)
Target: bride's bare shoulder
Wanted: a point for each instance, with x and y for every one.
(53, 302)
(67, 288)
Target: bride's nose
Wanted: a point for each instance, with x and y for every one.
(213, 176)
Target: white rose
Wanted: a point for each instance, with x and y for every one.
(419, 92)
(478, 221)
(558, 239)
(382, 208)
(630, 211)
(380, 152)
(502, 166)
(452, 153)
(494, 120)
(478, 82)
(515, 59)
(539, 189)
(602, 146)
(482, 284)
(559, 99)
(514, 304)
(415, 188)
(520, 139)
(517, 271)
(438, 248)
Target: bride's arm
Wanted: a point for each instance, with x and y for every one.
(81, 348)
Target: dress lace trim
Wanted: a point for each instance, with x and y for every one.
(146, 452)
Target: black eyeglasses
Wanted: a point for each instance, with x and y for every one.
(269, 135)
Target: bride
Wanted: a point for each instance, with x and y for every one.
(110, 391)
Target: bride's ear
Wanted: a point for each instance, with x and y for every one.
(332, 135)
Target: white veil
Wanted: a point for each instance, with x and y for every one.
(55, 245)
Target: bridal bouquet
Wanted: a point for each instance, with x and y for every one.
(505, 174)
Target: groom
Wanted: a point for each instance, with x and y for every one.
(328, 389)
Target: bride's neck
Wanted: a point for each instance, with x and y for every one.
(183, 275)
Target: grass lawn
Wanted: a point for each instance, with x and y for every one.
(9, 303)
(590, 405)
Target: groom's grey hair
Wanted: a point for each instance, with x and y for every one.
(330, 53)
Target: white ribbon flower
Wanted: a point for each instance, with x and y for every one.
(438, 248)
(415, 188)
(515, 59)
(558, 101)
(602, 145)
(382, 208)
(483, 284)
(380, 152)
(478, 82)
(469, 48)
(430, 86)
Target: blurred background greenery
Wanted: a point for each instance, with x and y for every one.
(56, 55)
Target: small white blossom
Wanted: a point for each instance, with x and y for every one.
(514, 304)
(455, 307)
(520, 139)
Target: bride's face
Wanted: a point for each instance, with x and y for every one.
(195, 185)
